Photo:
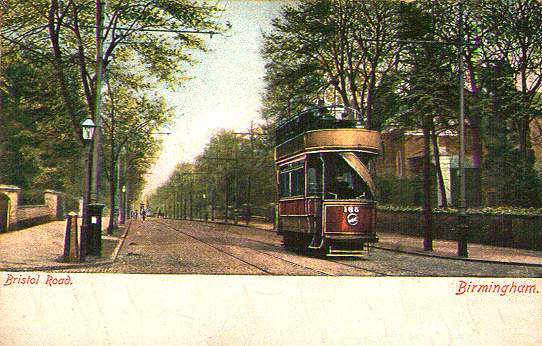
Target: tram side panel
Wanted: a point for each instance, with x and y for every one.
(293, 216)
(350, 219)
(300, 215)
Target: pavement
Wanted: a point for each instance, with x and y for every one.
(40, 248)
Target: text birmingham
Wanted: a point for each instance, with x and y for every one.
(501, 289)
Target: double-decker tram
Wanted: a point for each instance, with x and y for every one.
(326, 192)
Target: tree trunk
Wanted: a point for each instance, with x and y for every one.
(226, 197)
(369, 103)
(427, 212)
(112, 179)
(440, 179)
(120, 192)
(475, 122)
(112, 192)
(524, 139)
(476, 151)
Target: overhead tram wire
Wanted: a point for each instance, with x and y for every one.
(177, 31)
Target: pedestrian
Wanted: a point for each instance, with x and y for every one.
(143, 214)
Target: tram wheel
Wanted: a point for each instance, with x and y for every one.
(288, 240)
(295, 241)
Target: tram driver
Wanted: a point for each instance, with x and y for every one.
(341, 187)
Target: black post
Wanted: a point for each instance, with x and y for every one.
(94, 224)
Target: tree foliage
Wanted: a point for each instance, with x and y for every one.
(234, 172)
(320, 47)
(397, 62)
(52, 44)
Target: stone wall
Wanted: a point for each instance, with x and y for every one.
(524, 232)
(12, 193)
(55, 202)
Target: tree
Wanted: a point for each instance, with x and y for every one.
(233, 172)
(37, 153)
(146, 44)
(428, 80)
(345, 46)
(515, 33)
(510, 180)
(128, 122)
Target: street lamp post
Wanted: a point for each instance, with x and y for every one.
(87, 128)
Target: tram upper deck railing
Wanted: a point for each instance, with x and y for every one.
(325, 129)
(324, 117)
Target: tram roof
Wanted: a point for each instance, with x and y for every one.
(330, 140)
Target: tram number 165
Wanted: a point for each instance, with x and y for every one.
(351, 209)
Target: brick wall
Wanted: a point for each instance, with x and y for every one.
(524, 232)
(28, 215)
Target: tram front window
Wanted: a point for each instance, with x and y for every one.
(344, 182)
(342, 186)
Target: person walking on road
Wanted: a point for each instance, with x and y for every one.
(143, 214)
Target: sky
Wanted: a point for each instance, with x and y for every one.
(225, 91)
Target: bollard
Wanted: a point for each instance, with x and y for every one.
(462, 232)
(71, 243)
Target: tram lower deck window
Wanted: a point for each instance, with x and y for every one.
(292, 183)
(284, 183)
(298, 182)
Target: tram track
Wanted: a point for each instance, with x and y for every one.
(281, 258)
(414, 273)
(339, 262)
(378, 273)
(217, 248)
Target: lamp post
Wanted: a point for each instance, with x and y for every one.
(87, 127)
(122, 205)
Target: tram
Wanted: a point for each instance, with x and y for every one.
(324, 158)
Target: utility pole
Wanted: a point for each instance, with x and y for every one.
(190, 199)
(97, 144)
(236, 183)
(462, 215)
(252, 134)
(3, 6)
(249, 175)
(185, 199)
(213, 200)
(175, 193)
